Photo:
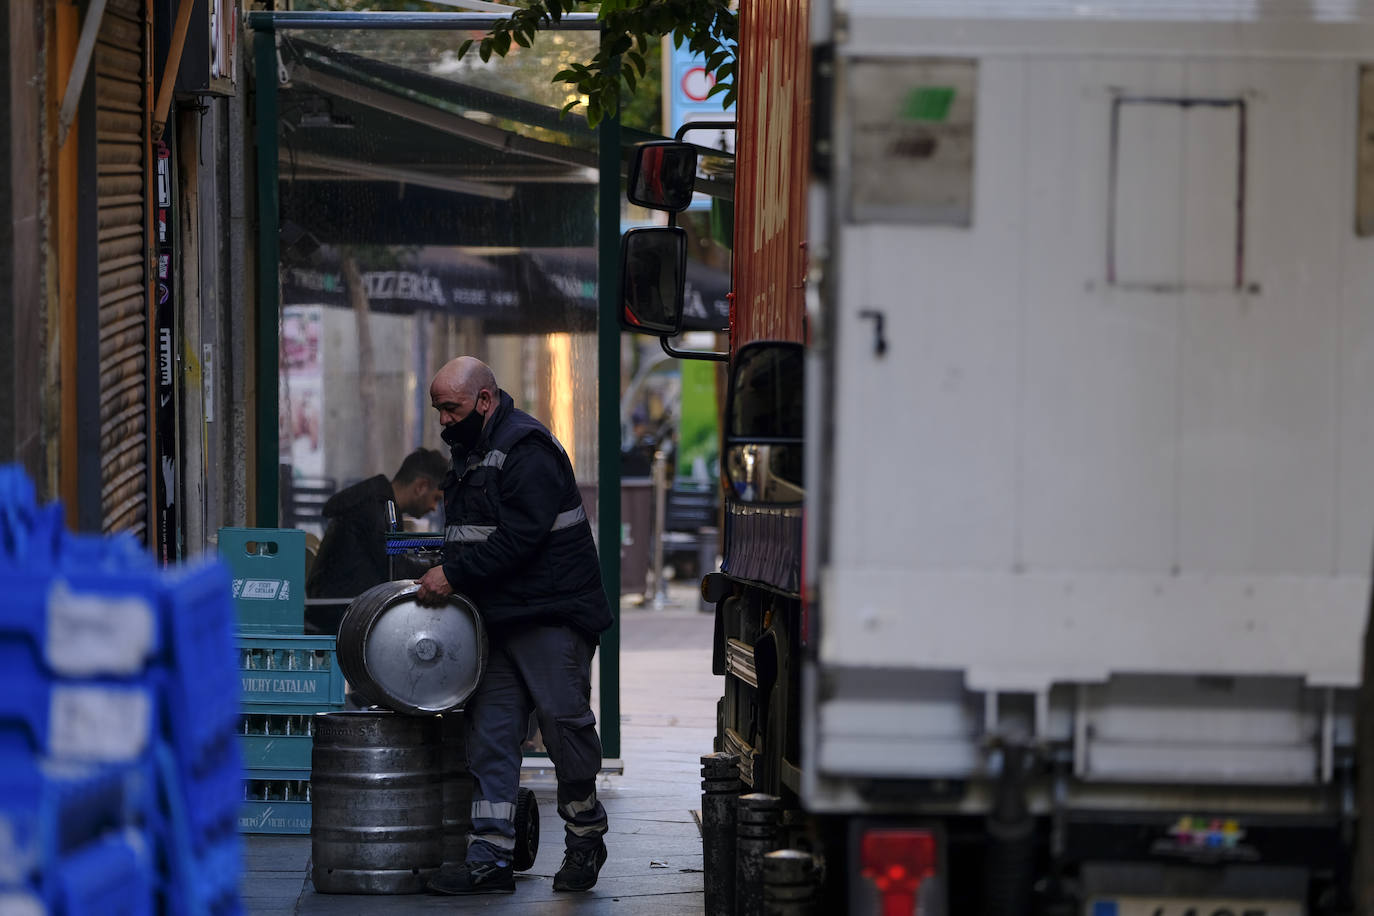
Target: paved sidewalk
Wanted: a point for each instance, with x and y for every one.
(668, 712)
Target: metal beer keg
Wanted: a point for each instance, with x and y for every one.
(376, 826)
(413, 659)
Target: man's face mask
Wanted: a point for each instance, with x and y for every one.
(464, 433)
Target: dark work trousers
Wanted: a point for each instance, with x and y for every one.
(547, 668)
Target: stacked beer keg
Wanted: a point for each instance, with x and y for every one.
(392, 792)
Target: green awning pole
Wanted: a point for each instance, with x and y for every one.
(608, 417)
(265, 401)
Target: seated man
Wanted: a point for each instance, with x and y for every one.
(352, 556)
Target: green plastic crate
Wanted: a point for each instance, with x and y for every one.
(278, 737)
(268, 566)
(289, 671)
(275, 801)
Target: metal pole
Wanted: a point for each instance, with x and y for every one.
(608, 422)
(660, 512)
(265, 397)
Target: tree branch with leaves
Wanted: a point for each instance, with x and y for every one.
(708, 27)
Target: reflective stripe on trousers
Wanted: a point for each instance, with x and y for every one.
(493, 823)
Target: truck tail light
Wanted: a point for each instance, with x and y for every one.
(897, 862)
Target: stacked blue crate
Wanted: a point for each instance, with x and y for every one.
(67, 828)
(285, 677)
(199, 761)
(77, 719)
(119, 769)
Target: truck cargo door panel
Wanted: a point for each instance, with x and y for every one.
(913, 140)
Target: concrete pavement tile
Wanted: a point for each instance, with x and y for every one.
(639, 866)
(630, 831)
(269, 864)
(669, 882)
(655, 849)
(271, 884)
(671, 816)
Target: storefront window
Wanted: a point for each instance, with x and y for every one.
(429, 208)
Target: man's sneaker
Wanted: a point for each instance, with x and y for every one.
(475, 878)
(580, 868)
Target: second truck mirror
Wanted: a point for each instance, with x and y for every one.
(653, 268)
(663, 175)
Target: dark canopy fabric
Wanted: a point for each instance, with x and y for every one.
(532, 291)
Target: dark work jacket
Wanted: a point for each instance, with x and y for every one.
(517, 540)
(352, 554)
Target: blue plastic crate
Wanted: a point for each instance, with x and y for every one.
(198, 755)
(22, 901)
(200, 808)
(290, 670)
(87, 624)
(275, 801)
(198, 841)
(49, 809)
(91, 720)
(211, 890)
(30, 534)
(202, 686)
(111, 876)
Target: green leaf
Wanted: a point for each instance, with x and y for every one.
(501, 43)
(638, 60)
(485, 51)
(565, 76)
(522, 39)
(571, 105)
(464, 48)
(629, 74)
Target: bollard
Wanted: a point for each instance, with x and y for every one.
(756, 834)
(720, 787)
(789, 883)
(660, 471)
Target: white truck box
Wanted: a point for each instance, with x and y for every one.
(1109, 488)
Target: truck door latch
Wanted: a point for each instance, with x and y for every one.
(879, 341)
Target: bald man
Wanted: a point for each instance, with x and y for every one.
(517, 542)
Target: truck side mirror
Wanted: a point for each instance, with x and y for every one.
(763, 445)
(663, 175)
(653, 269)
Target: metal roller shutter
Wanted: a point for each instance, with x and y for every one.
(122, 191)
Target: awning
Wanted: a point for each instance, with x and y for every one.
(502, 289)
